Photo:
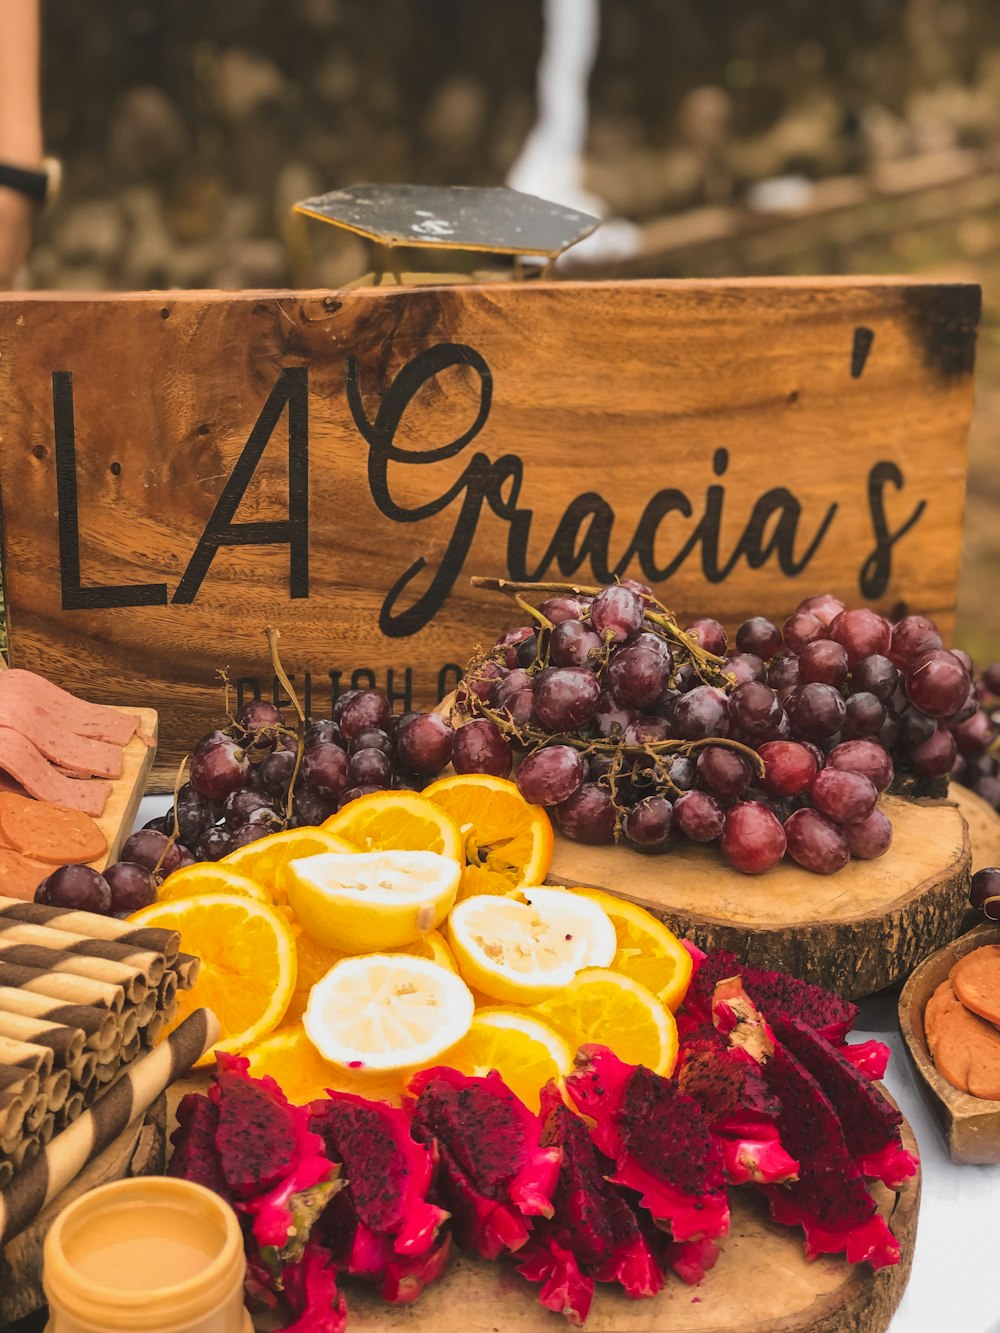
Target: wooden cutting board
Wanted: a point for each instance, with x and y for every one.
(854, 932)
(122, 804)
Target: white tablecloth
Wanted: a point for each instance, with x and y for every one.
(953, 1286)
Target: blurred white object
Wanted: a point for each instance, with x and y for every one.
(780, 194)
(551, 162)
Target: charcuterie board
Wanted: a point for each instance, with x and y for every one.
(971, 1125)
(855, 932)
(122, 806)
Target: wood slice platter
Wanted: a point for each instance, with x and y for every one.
(762, 1283)
(854, 932)
(139, 1151)
(984, 826)
(122, 804)
(971, 1125)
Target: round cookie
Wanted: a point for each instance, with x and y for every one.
(966, 1049)
(976, 980)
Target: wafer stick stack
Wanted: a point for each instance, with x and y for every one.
(82, 997)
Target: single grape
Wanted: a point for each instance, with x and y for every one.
(701, 713)
(816, 842)
(527, 651)
(219, 769)
(824, 606)
(699, 816)
(988, 789)
(937, 683)
(991, 678)
(194, 814)
(815, 711)
(566, 698)
(562, 609)
(683, 772)
(934, 758)
(888, 733)
(247, 833)
(341, 702)
(637, 676)
(725, 772)
(257, 716)
(753, 840)
(641, 590)
(152, 850)
(599, 766)
(160, 824)
(966, 710)
(572, 643)
(824, 661)
(324, 729)
(984, 892)
(975, 734)
(789, 767)
(520, 707)
(370, 738)
(648, 825)
(77, 888)
(759, 636)
(783, 674)
(861, 632)
(844, 796)
(485, 680)
(647, 730)
(911, 638)
(915, 727)
(875, 674)
(864, 716)
(242, 807)
(871, 838)
(276, 772)
(324, 767)
(708, 634)
(865, 757)
(754, 708)
(369, 768)
(515, 680)
(550, 775)
(478, 747)
(744, 667)
(616, 612)
(645, 638)
(368, 708)
(311, 807)
(610, 718)
(508, 644)
(802, 628)
(587, 816)
(131, 885)
(213, 738)
(424, 744)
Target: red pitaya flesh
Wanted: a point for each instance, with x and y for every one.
(405, 1276)
(869, 1123)
(593, 1233)
(493, 1172)
(195, 1156)
(310, 1288)
(269, 1159)
(388, 1175)
(728, 1085)
(692, 1259)
(658, 1140)
(830, 1200)
(870, 1058)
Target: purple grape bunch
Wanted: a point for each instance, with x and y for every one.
(629, 728)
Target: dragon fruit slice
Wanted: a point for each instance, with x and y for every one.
(692, 1259)
(657, 1139)
(269, 1159)
(405, 1276)
(830, 1200)
(310, 1287)
(870, 1125)
(870, 1058)
(593, 1233)
(728, 1085)
(195, 1156)
(388, 1175)
(493, 1171)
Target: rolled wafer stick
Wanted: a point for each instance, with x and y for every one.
(84, 1072)
(26, 1055)
(186, 969)
(26, 1151)
(47, 1128)
(6, 1171)
(105, 1073)
(37, 1111)
(56, 1088)
(150, 966)
(167, 990)
(131, 1049)
(62, 988)
(58, 960)
(65, 1043)
(128, 1097)
(151, 1032)
(130, 1026)
(96, 927)
(145, 1009)
(99, 1026)
(16, 1094)
(72, 1107)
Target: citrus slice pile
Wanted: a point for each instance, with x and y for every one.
(508, 843)
(363, 901)
(606, 1008)
(520, 952)
(647, 951)
(266, 859)
(397, 821)
(523, 1049)
(248, 962)
(290, 1058)
(383, 1013)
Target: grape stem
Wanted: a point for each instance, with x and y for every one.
(178, 783)
(273, 635)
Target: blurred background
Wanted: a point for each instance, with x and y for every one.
(741, 137)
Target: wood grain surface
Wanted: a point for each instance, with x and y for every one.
(971, 1125)
(122, 805)
(740, 444)
(984, 826)
(854, 932)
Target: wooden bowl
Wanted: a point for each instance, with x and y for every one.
(971, 1125)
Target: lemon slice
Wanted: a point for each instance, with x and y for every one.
(522, 953)
(362, 901)
(387, 1012)
(434, 946)
(613, 1010)
(525, 1051)
(647, 951)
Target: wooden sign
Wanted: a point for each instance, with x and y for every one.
(180, 470)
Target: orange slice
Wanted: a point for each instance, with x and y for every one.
(524, 1050)
(210, 877)
(302, 1074)
(507, 841)
(603, 1007)
(400, 821)
(266, 859)
(647, 951)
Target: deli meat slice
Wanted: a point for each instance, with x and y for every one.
(77, 715)
(32, 770)
(81, 756)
